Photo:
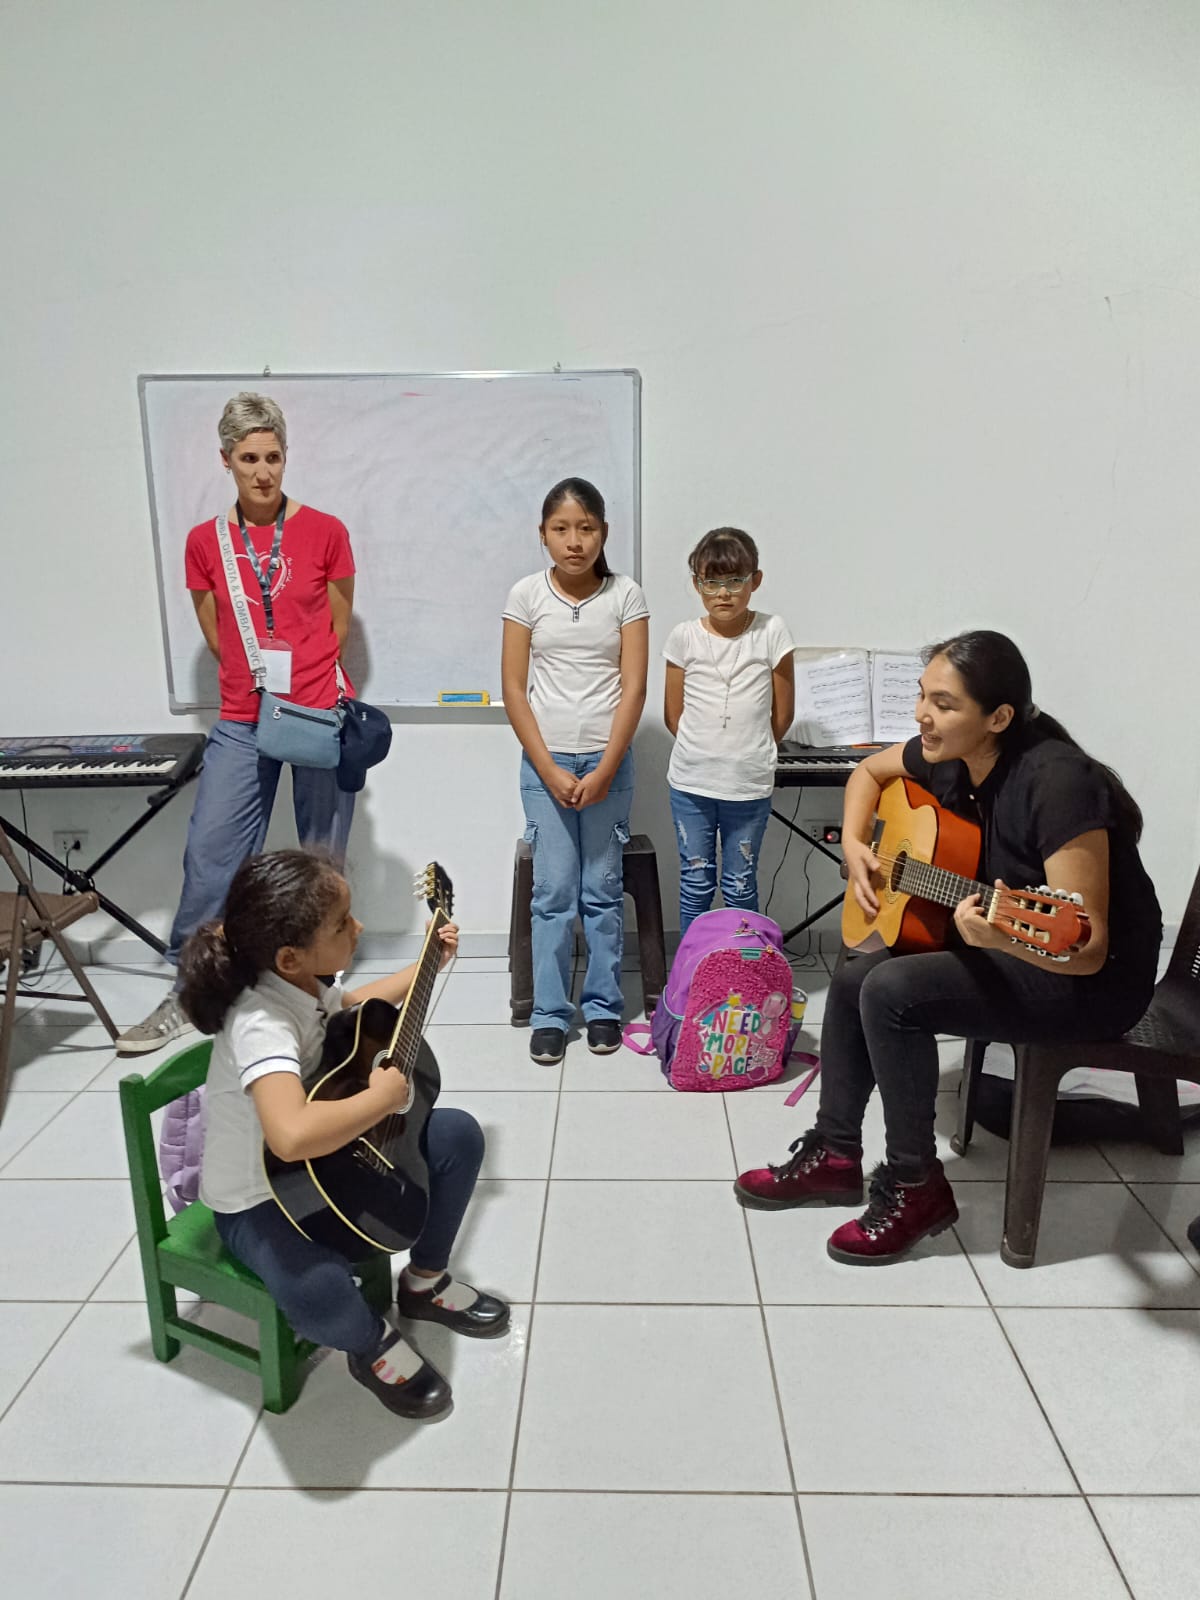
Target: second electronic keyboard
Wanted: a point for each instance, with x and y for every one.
(819, 766)
(165, 762)
(100, 760)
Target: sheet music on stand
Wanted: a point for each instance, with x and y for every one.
(854, 696)
(895, 678)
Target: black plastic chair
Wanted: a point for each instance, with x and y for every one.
(1159, 1050)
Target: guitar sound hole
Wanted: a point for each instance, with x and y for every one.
(896, 871)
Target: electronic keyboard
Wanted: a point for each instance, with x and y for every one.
(70, 762)
(821, 766)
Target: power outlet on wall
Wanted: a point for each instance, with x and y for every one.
(70, 841)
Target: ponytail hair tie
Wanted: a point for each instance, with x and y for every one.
(1033, 712)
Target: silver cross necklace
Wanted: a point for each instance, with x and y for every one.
(728, 681)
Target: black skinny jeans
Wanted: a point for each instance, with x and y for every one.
(882, 1015)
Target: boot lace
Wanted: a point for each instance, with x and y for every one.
(885, 1202)
(806, 1153)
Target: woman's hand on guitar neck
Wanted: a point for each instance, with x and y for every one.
(972, 923)
(861, 863)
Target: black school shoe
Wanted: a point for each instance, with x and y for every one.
(547, 1045)
(486, 1319)
(604, 1036)
(421, 1398)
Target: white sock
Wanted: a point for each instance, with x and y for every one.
(396, 1361)
(451, 1294)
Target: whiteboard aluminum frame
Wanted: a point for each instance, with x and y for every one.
(187, 707)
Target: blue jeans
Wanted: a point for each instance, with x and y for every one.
(578, 866)
(741, 825)
(314, 1285)
(234, 800)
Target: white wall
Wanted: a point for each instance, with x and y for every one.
(914, 290)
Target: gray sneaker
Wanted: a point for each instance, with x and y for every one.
(165, 1022)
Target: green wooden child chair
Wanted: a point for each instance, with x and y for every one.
(185, 1252)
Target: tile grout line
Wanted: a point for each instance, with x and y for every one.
(1037, 1399)
(46, 1354)
(1162, 1228)
(226, 1491)
(762, 1314)
(537, 1268)
(72, 1096)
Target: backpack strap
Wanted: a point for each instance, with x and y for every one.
(802, 1087)
(629, 1037)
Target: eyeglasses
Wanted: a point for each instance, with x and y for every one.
(735, 583)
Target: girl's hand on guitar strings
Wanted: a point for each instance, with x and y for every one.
(396, 1089)
(861, 863)
(448, 934)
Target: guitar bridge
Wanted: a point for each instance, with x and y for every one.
(375, 1159)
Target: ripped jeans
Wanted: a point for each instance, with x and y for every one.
(741, 825)
(578, 866)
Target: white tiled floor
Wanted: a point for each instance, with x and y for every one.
(694, 1401)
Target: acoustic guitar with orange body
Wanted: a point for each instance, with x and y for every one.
(928, 858)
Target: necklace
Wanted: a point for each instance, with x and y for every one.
(728, 681)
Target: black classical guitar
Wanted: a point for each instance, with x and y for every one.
(373, 1193)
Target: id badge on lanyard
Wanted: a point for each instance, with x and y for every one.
(276, 653)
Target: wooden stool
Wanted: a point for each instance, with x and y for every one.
(641, 883)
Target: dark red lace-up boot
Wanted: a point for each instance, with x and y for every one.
(897, 1216)
(812, 1175)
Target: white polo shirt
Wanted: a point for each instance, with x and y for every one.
(737, 761)
(273, 1027)
(575, 656)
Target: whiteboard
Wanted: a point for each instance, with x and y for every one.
(439, 477)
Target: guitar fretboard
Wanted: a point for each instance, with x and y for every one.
(927, 882)
(403, 1052)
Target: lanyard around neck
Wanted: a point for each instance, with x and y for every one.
(273, 560)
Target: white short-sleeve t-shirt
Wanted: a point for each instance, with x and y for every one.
(575, 656)
(274, 1027)
(735, 761)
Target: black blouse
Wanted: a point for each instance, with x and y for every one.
(1037, 798)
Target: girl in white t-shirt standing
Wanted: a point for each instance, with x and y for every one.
(730, 698)
(581, 633)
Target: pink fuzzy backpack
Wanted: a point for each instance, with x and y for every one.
(723, 1019)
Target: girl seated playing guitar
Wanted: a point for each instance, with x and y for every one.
(260, 982)
(1048, 814)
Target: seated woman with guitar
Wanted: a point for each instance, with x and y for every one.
(1044, 813)
(259, 982)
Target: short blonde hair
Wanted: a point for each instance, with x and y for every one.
(250, 413)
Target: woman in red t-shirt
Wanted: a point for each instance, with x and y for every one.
(297, 571)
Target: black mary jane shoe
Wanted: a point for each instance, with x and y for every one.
(486, 1319)
(421, 1398)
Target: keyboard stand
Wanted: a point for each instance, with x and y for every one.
(817, 844)
(82, 879)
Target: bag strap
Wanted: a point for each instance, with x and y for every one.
(241, 607)
(629, 1037)
(241, 614)
(802, 1088)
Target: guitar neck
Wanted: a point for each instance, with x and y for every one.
(927, 882)
(407, 1038)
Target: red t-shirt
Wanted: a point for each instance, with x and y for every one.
(315, 551)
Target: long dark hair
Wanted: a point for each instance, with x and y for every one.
(724, 553)
(995, 674)
(592, 501)
(274, 900)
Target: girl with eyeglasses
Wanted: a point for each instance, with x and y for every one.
(576, 641)
(730, 698)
